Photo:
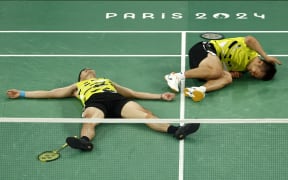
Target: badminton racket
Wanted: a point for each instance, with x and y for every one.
(48, 156)
(212, 36)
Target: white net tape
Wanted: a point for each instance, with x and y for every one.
(121, 120)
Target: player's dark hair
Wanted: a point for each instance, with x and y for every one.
(269, 69)
(80, 73)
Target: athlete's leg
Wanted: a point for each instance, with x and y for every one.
(215, 84)
(87, 131)
(209, 68)
(134, 110)
(198, 93)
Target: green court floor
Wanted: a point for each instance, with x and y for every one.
(44, 44)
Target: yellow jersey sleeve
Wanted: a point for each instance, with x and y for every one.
(234, 53)
(92, 86)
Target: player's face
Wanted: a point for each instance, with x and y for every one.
(256, 70)
(87, 73)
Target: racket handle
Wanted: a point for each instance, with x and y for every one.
(62, 147)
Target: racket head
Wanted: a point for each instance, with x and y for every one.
(48, 156)
(212, 36)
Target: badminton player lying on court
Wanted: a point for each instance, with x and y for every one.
(103, 98)
(219, 61)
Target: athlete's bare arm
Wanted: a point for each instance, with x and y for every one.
(63, 92)
(129, 93)
(254, 44)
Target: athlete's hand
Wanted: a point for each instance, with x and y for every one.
(167, 96)
(13, 93)
(272, 60)
(235, 74)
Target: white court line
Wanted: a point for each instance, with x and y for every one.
(106, 55)
(182, 106)
(95, 55)
(135, 121)
(85, 55)
(84, 32)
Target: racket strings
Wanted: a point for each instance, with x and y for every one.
(48, 156)
(212, 36)
(51, 155)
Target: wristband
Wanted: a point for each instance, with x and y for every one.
(22, 94)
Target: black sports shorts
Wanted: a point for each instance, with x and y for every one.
(199, 52)
(110, 103)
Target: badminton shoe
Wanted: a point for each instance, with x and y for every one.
(185, 130)
(196, 93)
(81, 143)
(173, 81)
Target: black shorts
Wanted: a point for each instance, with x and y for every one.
(199, 52)
(110, 103)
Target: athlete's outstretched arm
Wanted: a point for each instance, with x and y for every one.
(129, 93)
(254, 44)
(63, 92)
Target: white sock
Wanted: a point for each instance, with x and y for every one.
(180, 75)
(203, 88)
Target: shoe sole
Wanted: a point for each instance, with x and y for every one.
(167, 79)
(76, 144)
(185, 131)
(186, 92)
(197, 95)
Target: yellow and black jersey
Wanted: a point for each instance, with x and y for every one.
(234, 53)
(92, 86)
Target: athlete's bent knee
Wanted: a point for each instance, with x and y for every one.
(149, 115)
(228, 78)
